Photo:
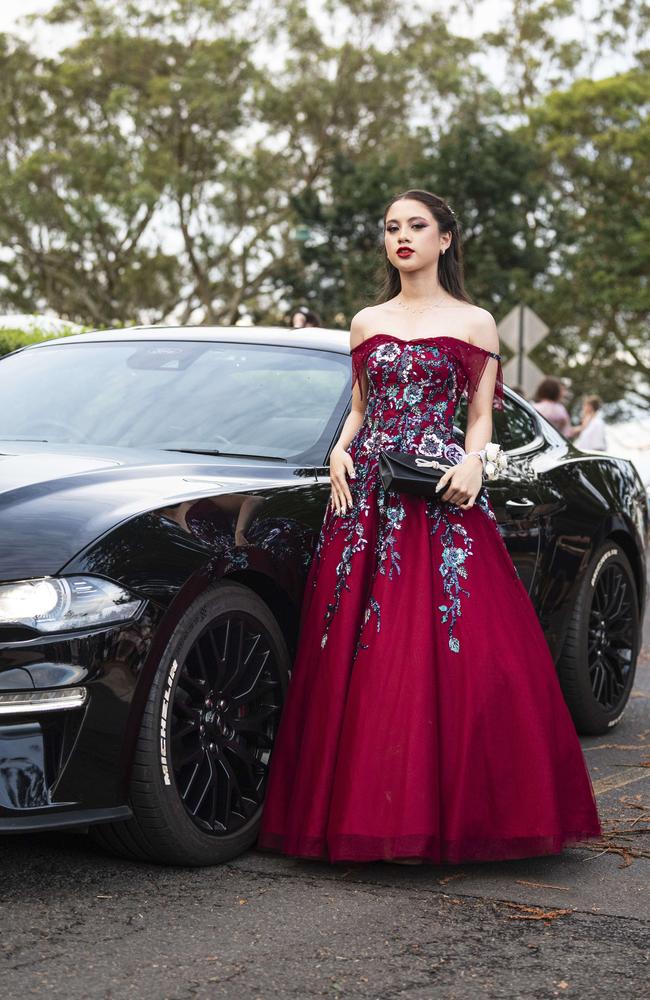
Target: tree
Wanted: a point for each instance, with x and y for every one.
(163, 166)
(76, 197)
(595, 139)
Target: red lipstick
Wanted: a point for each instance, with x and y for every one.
(405, 252)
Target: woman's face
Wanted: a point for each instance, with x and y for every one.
(298, 320)
(410, 225)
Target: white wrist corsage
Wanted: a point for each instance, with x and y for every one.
(495, 460)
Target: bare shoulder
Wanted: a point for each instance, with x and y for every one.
(483, 329)
(361, 326)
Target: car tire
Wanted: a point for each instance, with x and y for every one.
(230, 731)
(598, 660)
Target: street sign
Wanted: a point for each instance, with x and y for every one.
(521, 330)
(526, 377)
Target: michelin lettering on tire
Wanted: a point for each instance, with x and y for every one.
(163, 722)
(605, 556)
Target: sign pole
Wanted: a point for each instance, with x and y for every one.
(520, 351)
(521, 330)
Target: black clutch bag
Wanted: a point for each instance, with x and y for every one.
(415, 474)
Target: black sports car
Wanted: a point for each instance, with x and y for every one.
(161, 491)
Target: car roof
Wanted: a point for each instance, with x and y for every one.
(321, 338)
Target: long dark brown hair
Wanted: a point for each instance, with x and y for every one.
(450, 264)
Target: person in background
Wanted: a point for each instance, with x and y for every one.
(591, 433)
(547, 401)
(303, 316)
(565, 394)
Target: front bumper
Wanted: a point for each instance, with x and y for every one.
(65, 707)
(62, 819)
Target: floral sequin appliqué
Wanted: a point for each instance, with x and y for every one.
(413, 391)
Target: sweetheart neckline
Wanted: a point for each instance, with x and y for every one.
(416, 340)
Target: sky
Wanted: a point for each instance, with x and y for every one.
(12, 10)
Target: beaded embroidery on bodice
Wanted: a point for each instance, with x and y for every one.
(414, 387)
(413, 390)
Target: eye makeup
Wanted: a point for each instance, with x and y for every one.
(418, 218)
(417, 224)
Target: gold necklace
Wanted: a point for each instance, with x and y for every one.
(418, 312)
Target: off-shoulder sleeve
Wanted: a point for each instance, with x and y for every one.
(475, 361)
(359, 356)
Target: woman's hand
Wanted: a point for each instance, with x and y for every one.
(341, 465)
(461, 484)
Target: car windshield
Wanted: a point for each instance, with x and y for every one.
(242, 399)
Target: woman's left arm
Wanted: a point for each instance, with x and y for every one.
(465, 480)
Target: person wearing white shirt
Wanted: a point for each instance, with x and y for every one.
(593, 433)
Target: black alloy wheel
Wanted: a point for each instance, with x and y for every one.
(610, 644)
(224, 713)
(598, 661)
(202, 758)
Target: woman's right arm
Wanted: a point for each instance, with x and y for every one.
(341, 464)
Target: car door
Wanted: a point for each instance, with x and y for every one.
(517, 495)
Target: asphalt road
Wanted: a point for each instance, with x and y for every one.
(77, 924)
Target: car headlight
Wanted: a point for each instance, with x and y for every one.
(74, 602)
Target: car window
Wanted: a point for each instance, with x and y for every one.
(512, 427)
(276, 401)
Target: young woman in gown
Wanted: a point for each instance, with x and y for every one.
(424, 718)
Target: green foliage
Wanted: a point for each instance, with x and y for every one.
(595, 143)
(161, 166)
(12, 340)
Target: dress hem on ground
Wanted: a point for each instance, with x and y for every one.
(363, 848)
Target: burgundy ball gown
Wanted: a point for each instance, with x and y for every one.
(424, 717)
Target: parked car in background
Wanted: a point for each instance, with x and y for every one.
(161, 492)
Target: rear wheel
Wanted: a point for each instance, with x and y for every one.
(203, 751)
(598, 661)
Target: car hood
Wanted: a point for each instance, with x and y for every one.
(54, 501)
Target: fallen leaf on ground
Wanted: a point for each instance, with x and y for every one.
(450, 878)
(542, 885)
(535, 912)
(636, 803)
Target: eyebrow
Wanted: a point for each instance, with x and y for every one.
(413, 217)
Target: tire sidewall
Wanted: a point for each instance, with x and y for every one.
(598, 720)
(188, 839)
